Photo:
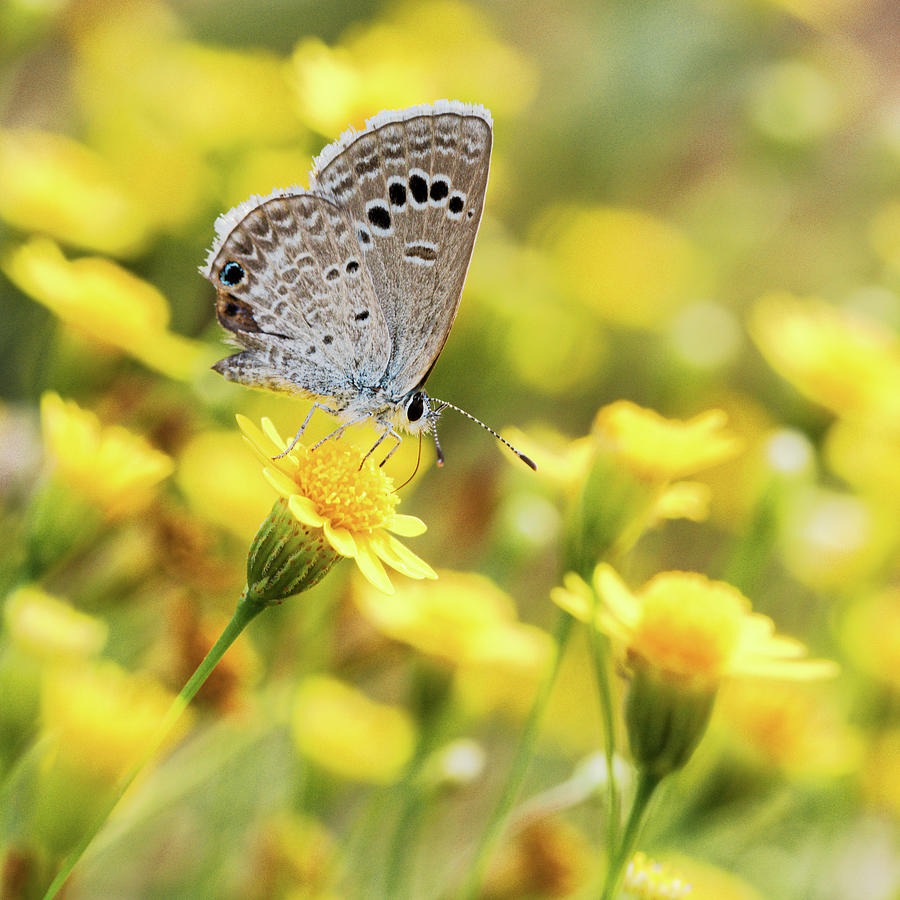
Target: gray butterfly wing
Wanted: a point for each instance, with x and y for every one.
(302, 303)
(414, 184)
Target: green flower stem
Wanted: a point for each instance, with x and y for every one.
(491, 834)
(248, 608)
(600, 656)
(432, 691)
(646, 785)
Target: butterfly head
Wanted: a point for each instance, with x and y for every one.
(416, 414)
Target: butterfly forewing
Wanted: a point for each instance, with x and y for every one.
(413, 184)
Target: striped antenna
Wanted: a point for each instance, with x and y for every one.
(440, 456)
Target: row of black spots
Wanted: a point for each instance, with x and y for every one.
(332, 273)
(420, 190)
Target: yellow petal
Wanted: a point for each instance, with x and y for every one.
(272, 433)
(305, 511)
(257, 440)
(407, 526)
(620, 602)
(399, 557)
(341, 540)
(371, 567)
(285, 486)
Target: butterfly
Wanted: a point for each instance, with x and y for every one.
(346, 292)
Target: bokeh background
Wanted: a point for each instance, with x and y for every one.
(692, 205)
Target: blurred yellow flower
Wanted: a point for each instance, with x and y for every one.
(464, 618)
(848, 364)
(180, 103)
(881, 772)
(109, 304)
(49, 629)
(865, 453)
(101, 719)
(659, 449)
(335, 86)
(342, 730)
(112, 467)
(709, 882)
(793, 727)
(871, 635)
(631, 267)
(681, 636)
(352, 502)
(688, 628)
(649, 880)
(55, 186)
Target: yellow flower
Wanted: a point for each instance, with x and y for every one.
(659, 449)
(100, 299)
(688, 628)
(109, 465)
(356, 79)
(650, 880)
(463, 619)
(57, 187)
(871, 633)
(628, 487)
(353, 504)
(344, 731)
(793, 727)
(682, 635)
(49, 629)
(848, 364)
(102, 718)
(97, 723)
(631, 267)
(707, 882)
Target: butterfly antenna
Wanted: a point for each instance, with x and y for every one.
(443, 403)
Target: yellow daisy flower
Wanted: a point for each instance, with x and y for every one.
(662, 450)
(112, 467)
(682, 634)
(353, 504)
(339, 727)
(689, 628)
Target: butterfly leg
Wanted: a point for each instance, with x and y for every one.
(302, 428)
(339, 430)
(384, 434)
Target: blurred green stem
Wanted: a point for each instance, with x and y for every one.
(431, 692)
(519, 767)
(600, 656)
(248, 608)
(615, 874)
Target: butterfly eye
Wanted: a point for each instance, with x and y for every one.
(232, 273)
(416, 408)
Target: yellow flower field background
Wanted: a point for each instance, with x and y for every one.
(684, 305)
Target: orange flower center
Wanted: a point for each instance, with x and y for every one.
(358, 499)
(689, 625)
